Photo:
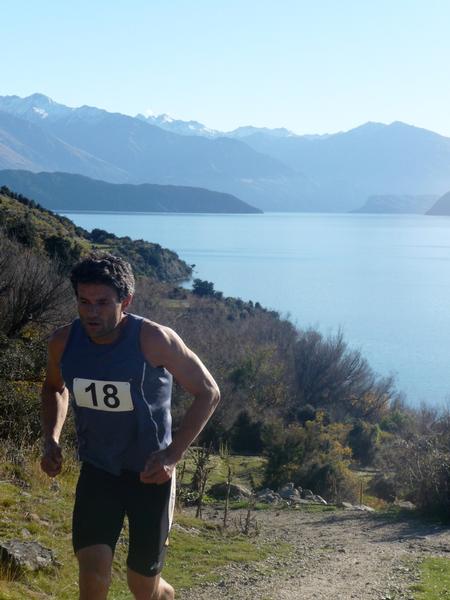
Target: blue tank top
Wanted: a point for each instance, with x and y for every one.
(121, 403)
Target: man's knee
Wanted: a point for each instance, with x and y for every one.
(94, 584)
(95, 572)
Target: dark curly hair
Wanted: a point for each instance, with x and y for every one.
(100, 267)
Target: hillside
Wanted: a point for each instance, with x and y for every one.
(25, 145)
(57, 237)
(68, 192)
(391, 204)
(442, 206)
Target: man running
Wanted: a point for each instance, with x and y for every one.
(118, 369)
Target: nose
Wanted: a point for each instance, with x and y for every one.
(93, 310)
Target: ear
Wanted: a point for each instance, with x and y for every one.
(126, 302)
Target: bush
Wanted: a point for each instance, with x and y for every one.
(203, 288)
(332, 376)
(62, 251)
(313, 456)
(363, 440)
(329, 478)
(383, 487)
(285, 449)
(246, 435)
(20, 412)
(421, 463)
(32, 290)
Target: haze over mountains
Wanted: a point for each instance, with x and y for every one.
(271, 169)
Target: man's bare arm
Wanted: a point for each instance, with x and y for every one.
(163, 347)
(54, 405)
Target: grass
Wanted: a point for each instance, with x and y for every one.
(34, 507)
(245, 469)
(435, 580)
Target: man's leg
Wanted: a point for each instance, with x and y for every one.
(149, 509)
(97, 520)
(95, 571)
(149, 588)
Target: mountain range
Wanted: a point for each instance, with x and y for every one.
(273, 170)
(71, 192)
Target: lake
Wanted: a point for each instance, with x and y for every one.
(383, 279)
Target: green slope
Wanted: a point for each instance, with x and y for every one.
(58, 237)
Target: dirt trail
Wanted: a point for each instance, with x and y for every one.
(338, 556)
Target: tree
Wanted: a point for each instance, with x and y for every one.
(363, 439)
(32, 290)
(246, 435)
(63, 251)
(23, 231)
(203, 288)
(332, 376)
(100, 236)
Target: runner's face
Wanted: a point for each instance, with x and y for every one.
(100, 311)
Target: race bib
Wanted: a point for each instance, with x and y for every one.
(110, 396)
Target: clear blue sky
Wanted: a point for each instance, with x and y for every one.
(311, 66)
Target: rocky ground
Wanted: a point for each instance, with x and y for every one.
(336, 555)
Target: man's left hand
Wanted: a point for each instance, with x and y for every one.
(158, 468)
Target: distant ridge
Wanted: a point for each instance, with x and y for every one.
(397, 204)
(441, 207)
(68, 192)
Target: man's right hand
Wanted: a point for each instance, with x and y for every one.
(51, 461)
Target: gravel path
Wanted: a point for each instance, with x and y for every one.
(337, 556)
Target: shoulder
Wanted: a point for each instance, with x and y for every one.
(158, 335)
(158, 342)
(58, 340)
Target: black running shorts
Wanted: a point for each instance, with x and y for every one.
(101, 503)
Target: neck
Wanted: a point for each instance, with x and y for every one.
(113, 335)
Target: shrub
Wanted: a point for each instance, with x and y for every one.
(31, 289)
(363, 440)
(383, 487)
(330, 375)
(285, 449)
(203, 288)
(313, 456)
(246, 435)
(329, 478)
(20, 412)
(421, 463)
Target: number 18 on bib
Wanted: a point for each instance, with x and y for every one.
(109, 396)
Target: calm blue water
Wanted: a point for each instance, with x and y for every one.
(383, 279)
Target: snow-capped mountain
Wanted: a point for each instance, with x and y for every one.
(178, 126)
(195, 128)
(35, 108)
(38, 108)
